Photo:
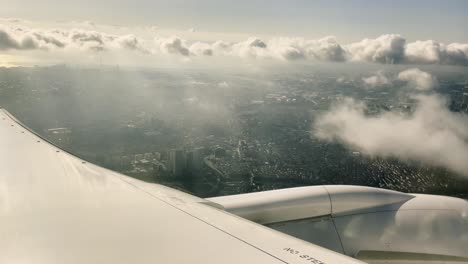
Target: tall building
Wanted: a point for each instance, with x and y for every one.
(198, 156)
(357, 165)
(148, 156)
(157, 156)
(189, 162)
(177, 162)
(138, 157)
(464, 105)
(159, 170)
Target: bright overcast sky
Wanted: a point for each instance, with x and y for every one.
(444, 20)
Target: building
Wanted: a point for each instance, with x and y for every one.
(157, 156)
(138, 157)
(177, 162)
(357, 165)
(464, 104)
(148, 156)
(159, 170)
(198, 156)
(189, 162)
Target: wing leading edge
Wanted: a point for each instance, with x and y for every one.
(57, 208)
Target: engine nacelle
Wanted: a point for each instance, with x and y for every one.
(368, 223)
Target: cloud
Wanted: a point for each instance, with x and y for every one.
(385, 49)
(251, 48)
(7, 41)
(418, 79)
(424, 52)
(457, 54)
(173, 45)
(21, 39)
(221, 48)
(326, 49)
(376, 80)
(85, 40)
(131, 42)
(288, 49)
(388, 49)
(201, 49)
(432, 134)
(432, 52)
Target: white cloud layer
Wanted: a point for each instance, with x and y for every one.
(387, 49)
(431, 134)
(85, 40)
(433, 52)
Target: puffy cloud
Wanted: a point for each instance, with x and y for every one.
(423, 52)
(173, 45)
(255, 43)
(418, 79)
(201, 49)
(432, 134)
(131, 42)
(376, 80)
(221, 47)
(430, 51)
(414, 78)
(386, 49)
(456, 53)
(88, 40)
(287, 48)
(29, 39)
(389, 49)
(48, 40)
(7, 41)
(251, 48)
(26, 40)
(326, 49)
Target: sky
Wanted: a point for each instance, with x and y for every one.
(444, 20)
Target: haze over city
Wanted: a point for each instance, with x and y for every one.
(221, 98)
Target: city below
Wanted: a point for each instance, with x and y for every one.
(223, 133)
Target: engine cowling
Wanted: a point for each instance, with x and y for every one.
(368, 223)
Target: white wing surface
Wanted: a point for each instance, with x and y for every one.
(56, 208)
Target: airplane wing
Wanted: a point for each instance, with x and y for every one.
(57, 208)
